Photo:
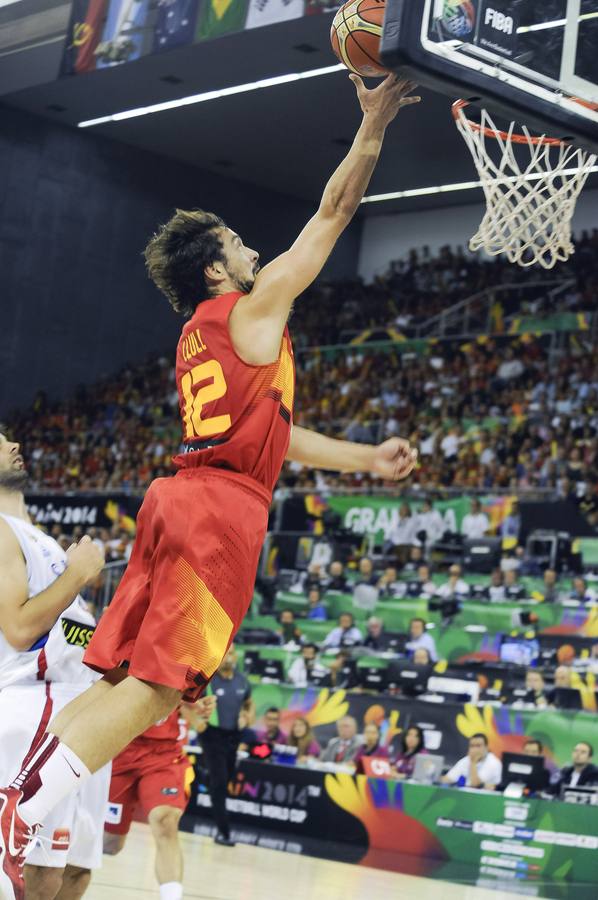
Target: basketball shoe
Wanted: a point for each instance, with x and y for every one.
(15, 839)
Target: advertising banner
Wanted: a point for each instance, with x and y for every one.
(547, 848)
(86, 510)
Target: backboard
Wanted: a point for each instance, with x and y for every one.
(535, 61)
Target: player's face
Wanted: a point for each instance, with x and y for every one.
(241, 262)
(13, 475)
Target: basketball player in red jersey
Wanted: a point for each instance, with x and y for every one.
(155, 772)
(190, 577)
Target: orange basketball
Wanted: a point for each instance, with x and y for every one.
(355, 36)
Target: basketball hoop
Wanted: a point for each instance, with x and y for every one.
(529, 207)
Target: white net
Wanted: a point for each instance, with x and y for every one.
(530, 203)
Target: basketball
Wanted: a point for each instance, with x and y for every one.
(355, 35)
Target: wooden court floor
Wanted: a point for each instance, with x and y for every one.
(251, 873)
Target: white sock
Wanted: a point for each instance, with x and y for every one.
(52, 772)
(172, 890)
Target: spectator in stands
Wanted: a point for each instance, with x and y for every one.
(302, 737)
(419, 637)
(533, 747)
(416, 559)
(550, 591)
(306, 667)
(536, 689)
(247, 735)
(311, 578)
(389, 585)
(513, 587)
(316, 609)
(510, 368)
(455, 587)
(375, 639)
(430, 522)
(422, 586)
(366, 573)
(421, 657)
(562, 677)
(479, 769)
(289, 632)
(342, 669)
(412, 743)
(337, 580)
(272, 732)
(495, 591)
(476, 523)
(581, 592)
(402, 534)
(511, 526)
(582, 773)
(342, 749)
(346, 634)
(370, 747)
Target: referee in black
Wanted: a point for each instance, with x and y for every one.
(220, 742)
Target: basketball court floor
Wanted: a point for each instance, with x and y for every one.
(250, 873)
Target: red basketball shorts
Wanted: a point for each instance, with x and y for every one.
(189, 582)
(147, 775)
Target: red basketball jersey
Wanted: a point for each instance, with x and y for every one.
(173, 729)
(235, 416)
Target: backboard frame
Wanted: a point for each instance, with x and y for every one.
(482, 79)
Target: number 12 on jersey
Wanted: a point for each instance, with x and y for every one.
(195, 400)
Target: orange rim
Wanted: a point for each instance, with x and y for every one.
(515, 138)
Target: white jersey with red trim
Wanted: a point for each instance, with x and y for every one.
(58, 655)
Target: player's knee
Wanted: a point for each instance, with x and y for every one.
(165, 822)
(77, 879)
(113, 843)
(42, 882)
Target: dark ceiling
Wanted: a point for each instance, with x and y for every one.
(287, 138)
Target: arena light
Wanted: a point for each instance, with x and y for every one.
(211, 95)
(449, 188)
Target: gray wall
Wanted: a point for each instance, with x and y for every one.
(75, 213)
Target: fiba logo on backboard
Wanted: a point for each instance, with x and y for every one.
(499, 21)
(458, 17)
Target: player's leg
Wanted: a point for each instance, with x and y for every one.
(164, 823)
(42, 882)
(93, 693)
(89, 741)
(164, 794)
(75, 882)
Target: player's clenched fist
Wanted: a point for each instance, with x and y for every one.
(85, 559)
(205, 706)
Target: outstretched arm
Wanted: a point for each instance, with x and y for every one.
(258, 320)
(393, 460)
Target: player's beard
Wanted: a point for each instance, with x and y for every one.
(245, 285)
(14, 480)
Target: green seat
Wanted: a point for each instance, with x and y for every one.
(340, 603)
(315, 631)
(287, 600)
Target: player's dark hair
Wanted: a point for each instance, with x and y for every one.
(535, 741)
(272, 709)
(178, 253)
(588, 745)
(479, 734)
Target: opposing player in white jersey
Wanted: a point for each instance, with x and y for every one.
(44, 629)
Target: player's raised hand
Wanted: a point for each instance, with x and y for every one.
(395, 459)
(384, 102)
(85, 559)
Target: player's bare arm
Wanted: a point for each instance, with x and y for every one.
(392, 460)
(258, 320)
(24, 620)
